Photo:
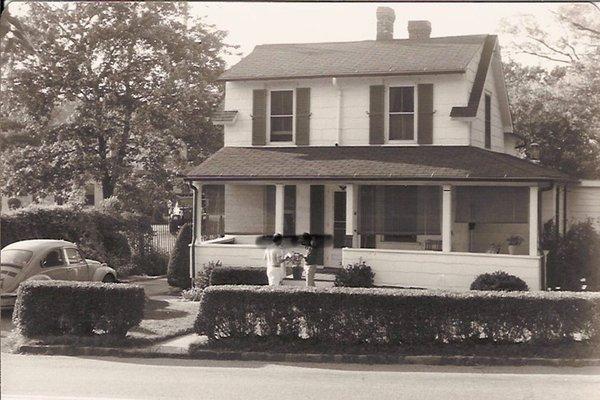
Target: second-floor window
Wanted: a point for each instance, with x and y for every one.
(282, 115)
(402, 113)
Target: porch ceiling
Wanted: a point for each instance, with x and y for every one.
(438, 163)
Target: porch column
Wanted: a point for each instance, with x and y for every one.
(196, 227)
(352, 216)
(533, 220)
(302, 208)
(197, 213)
(447, 218)
(279, 196)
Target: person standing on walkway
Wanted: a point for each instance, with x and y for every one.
(310, 258)
(274, 260)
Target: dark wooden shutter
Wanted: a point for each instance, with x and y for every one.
(425, 119)
(376, 115)
(259, 117)
(302, 116)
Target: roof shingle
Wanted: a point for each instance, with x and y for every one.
(369, 163)
(369, 57)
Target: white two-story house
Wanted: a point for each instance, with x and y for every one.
(400, 152)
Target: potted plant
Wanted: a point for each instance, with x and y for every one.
(513, 242)
(296, 260)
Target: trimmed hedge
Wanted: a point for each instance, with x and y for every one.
(499, 280)
(51, 308)
(239, 276)
(397, 316)
(178, 271)
(104, 236)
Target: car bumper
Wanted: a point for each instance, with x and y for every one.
(7, 300)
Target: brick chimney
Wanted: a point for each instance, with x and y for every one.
(385, 23)
(419, 29)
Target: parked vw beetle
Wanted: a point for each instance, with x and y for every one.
(46, 259)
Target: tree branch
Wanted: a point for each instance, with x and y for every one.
(544, 56)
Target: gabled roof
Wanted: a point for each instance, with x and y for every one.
(363, 58)
(440, 163)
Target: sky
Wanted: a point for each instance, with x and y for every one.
(251, 24)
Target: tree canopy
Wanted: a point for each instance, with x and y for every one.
(559, 107)
(119, 93)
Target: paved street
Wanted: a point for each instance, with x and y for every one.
(57, 377)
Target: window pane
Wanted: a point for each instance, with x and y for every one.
(281, 129)
(492, 205)
(73, 256)
(402, 99)
(282, 102)
(402, 127)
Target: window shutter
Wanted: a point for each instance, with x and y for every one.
(259, 117)
(425, 119)
(302, 116)
(376, 115)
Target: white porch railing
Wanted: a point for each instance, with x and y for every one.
(437, 270)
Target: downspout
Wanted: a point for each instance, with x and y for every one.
(193, 244)
(336, 84)
(543, 274)
(557, 213)
(564, 209)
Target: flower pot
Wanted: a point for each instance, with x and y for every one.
(512, 249)
(297, 273)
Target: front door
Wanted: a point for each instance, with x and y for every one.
(339, 227)
(78, 267)
(317, 218)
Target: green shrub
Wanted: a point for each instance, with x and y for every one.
(49, 308)
(178, 272)
(573, 261)
(203, 275)
(397, 316)
(239, 276)
(152, 262)
(354, 275)
(499, 280)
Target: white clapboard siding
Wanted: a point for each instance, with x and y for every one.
(436, 270)
(583, 202)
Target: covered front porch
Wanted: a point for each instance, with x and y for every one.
(427, 217)
(413, 234)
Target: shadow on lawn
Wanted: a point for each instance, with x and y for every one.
(159, 310)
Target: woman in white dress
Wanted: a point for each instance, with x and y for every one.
(274, 260)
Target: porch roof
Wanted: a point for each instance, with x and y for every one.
(437, 163)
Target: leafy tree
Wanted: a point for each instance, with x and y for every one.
(121, 94)
(546, 112)
(559, 108)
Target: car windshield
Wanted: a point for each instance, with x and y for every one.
(15, 257)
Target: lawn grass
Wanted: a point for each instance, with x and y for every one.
(277, 345)
(163, 320)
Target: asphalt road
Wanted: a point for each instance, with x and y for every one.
(58, 377)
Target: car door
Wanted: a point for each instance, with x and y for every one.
(78, 267)
(55, 266)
